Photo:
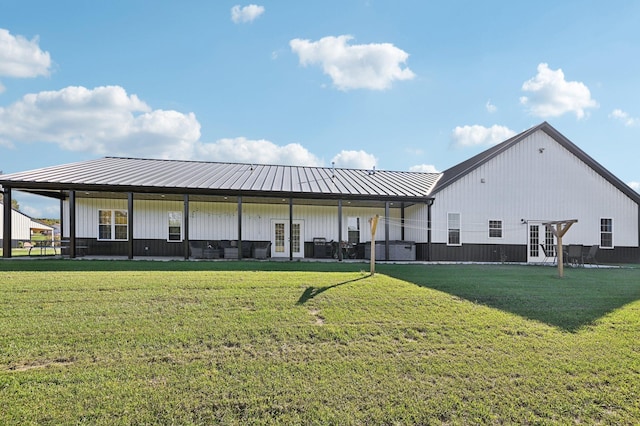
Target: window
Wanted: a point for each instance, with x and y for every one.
(534, 240)
(113, 225)
(549, 241)
(606, 233)
(495, 229)
(175, 226)
(453, 227)
(353, 226)
(279, 233)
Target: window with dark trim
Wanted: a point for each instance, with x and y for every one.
(453, 229)
(495, 229)
(113, 225)
(606, 233)
(175, 226)
(353, 228)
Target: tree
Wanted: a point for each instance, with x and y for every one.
(14, 202)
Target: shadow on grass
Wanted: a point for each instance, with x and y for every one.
(535, 292)
(311, 292)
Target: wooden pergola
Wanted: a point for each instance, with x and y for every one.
(559, 228)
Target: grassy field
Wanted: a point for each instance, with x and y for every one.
(105, 342)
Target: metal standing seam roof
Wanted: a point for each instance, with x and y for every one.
(151, 175)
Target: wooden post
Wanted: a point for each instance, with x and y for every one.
(560, 257)
(374, 224)
(559, 228)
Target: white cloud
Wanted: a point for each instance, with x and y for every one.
(261, 151)
(354, 160)
(246, 14)
(104, 120)
(624, 117)
(424, 168)
(37, 206)
(22, 58)
(362, 66)
(491, 108)
(553, 96)
(108, 121)
(480, 135)
(635, 186)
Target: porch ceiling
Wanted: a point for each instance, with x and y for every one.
(226, 199)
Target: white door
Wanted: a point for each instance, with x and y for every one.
(541, 239)
(280, 238)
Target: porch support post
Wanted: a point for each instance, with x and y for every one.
(429, 204)
(185, 218)
(340, 230)
(290, 228)
(6, 227)
(386, 230)
(61, 219)
(130, 227)
(239, 227)
(402, 221)
(72, 224)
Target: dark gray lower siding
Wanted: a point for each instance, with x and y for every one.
(619, 255)
(120, 248)
(472, 253)
(437, 252)
(509, 253)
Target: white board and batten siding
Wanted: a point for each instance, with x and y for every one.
(20, 226)
(537, 180)
(416, 223)
(209, 220)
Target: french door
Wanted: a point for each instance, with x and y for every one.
(282, 236)
(541, 240)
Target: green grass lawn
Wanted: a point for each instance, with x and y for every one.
(106, 342)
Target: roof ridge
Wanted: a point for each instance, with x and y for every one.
(110, 157)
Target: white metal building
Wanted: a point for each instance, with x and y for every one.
(22, 227)
(492, 207)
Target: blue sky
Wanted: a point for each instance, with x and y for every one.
(400, 85)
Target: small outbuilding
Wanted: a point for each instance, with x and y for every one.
(23, 229)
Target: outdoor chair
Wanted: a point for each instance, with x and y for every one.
(231, 252)
(262, 249)
(591, 256)
(211, 250)
(574, 255)
(549, 254)
(195, 249)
